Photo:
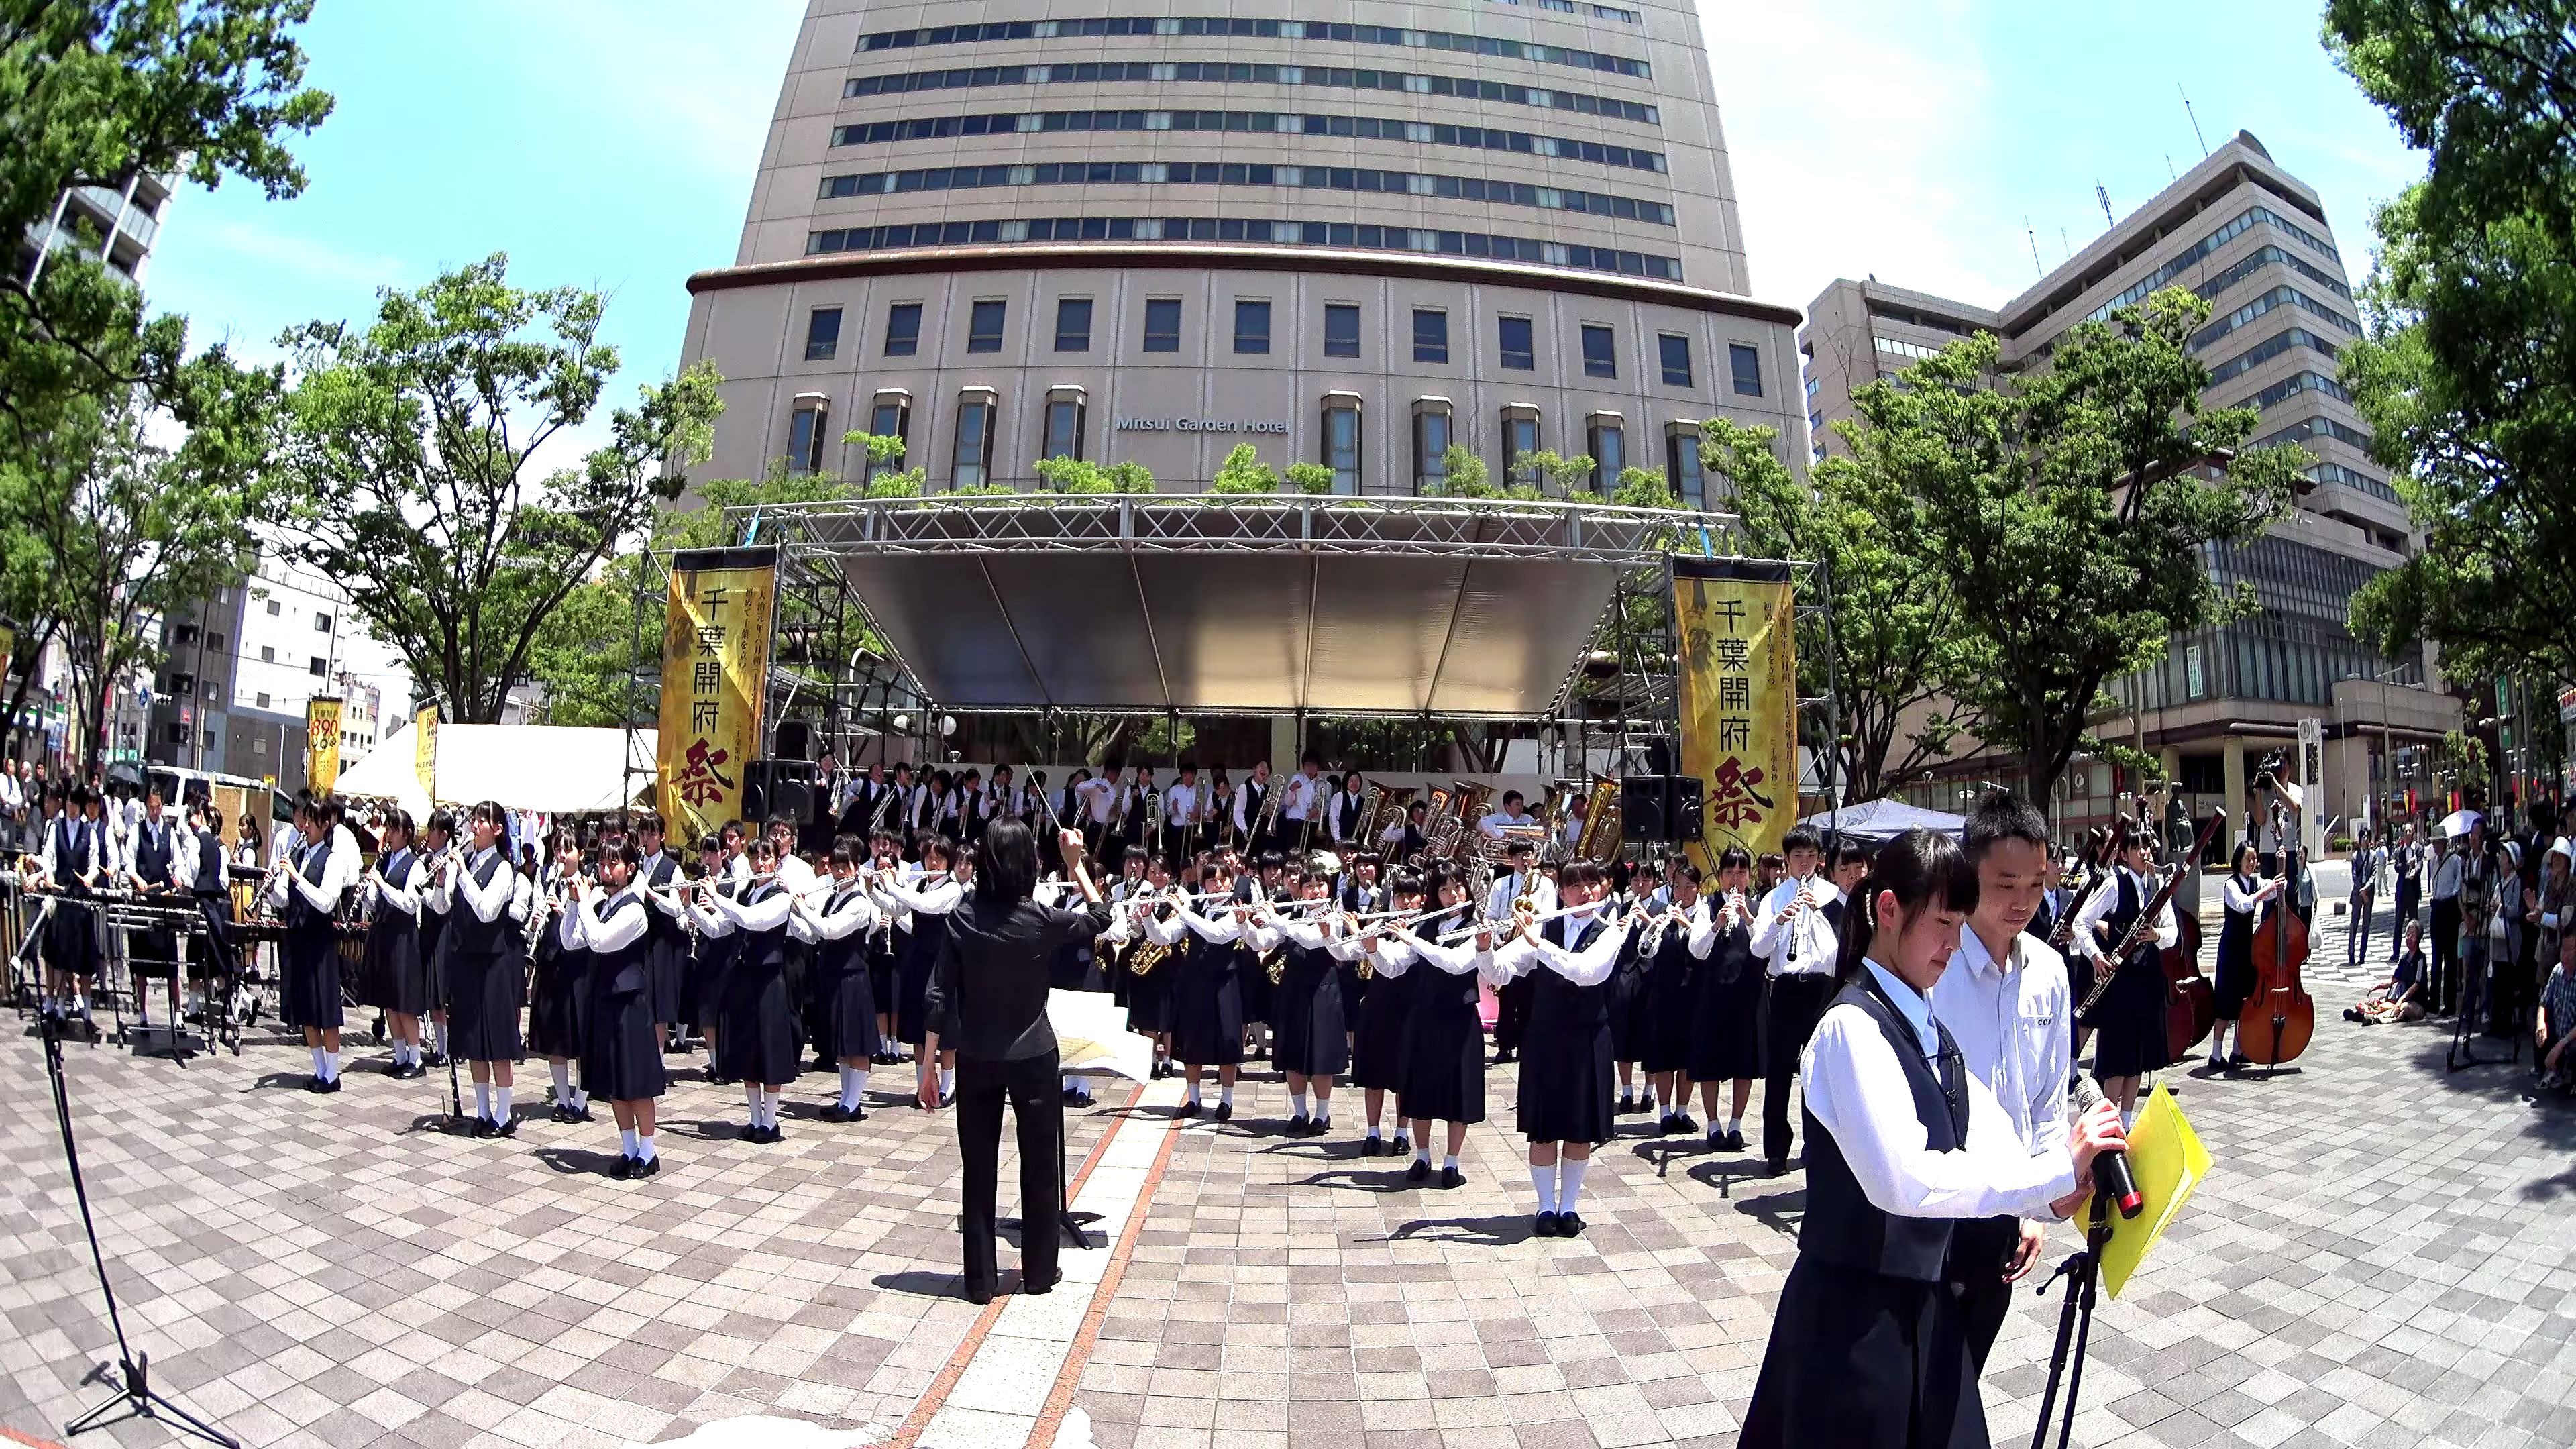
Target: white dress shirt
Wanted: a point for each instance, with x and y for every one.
(1180, 805)
(1588, 967)
(2105, 899)
(1805, 945)
(1305, 792)
(1498, 904)
(1246, 813)
(339, 873)
(2446, 876)
(1491, 827)
(2013, 1023)
(400, 895)
(600, 926)
(1857, 1090)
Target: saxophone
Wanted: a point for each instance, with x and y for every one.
(1147, 953)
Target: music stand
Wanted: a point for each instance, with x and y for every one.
(135, 1396)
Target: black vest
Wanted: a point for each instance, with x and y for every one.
(300, 912)
(475, 936)
(763, 950)
(72, 841)
(1843, 1228)
(846, 954)
(396, 869)
(1558, 1007)
(2126, 910)
(1252, 796)
(152, 850)
(212, 878)
(620, 972)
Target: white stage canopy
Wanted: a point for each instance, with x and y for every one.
(554, 769)
(1884, 820)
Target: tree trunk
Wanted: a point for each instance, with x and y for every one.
(9, 728)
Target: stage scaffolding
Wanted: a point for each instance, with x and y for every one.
(837, 669)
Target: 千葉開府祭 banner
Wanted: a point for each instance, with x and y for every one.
(1736, 622)
(424, 750)
(715, 663)
(321, 745)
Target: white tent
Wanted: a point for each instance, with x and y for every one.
(1884, 820)
(553, 769)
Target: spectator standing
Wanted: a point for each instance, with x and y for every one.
(2554, 1025)
(2445, 870)
(2546, 909)
(2365, 892)
(2406, 866)
(13, 805)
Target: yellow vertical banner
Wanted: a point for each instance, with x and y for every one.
(1736, 621)
(321, 745)
(715, 668)
(424, 751)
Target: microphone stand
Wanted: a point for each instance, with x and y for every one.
(135, 1396)
(2082, 1271)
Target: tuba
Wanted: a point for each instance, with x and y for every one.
(1601, 823)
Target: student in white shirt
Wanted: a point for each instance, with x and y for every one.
(1867, 1347)
(1181, 812)
(2129, 1020)
(1515, 811)
(1795, 941)
(2006, 1001)
(1303, 802)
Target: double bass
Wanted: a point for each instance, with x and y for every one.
(2279, 1016)
(2191, 1003)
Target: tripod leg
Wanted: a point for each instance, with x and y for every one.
(2057, 1356)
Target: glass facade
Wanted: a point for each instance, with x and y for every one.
(1608, 445)
(1251, 326)
(1430, 441)
(1163, 324)
(1674, 351)
(1064, 417)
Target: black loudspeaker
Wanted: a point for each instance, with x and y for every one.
(795, 740)
(777, 789)
(1662, 809)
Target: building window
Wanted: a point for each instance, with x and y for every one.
(214, 641)
(321, 623)
(1341, 329)
(1430, 335)
(1064, 416)
(206, 739)
(1600, 351)
(984, 326)
(1163, 324)
(1746, 363)
(259, 743)
(1682, 464)
(1520, 354)
(1342, 441)
(903, 329)
(1520, 438)
(806, 428)
(272, 608)
(1251, 326)
(1430, 440)
(1073, 324)
(318, 667)
(1608, 445)
(974, 456)
(891, 417)
(267, 654)
(1675, 350)
(822, 334)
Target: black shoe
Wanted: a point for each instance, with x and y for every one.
(1668, 1126)
(1546, 1226)
(978, 1296)
(648, 1167)
(1298, 1124)
(1188, 1109)
(1046, 1287)
(327, 1088)
(1225, 1111)
(777, 1134)
(1452, 1177)
(624, 1168)
(1503, 1056)
(1319, 1127)
(1627, 1105)
(510, 1126)
(558, 1112)
(1372, 1147)
(484, 1127)
(836, 1113)
(1682, 1122)
(1569, 1225)
(1084, 1099)
(1418, 1171)
(1735, 1141)
(1775, 1167)
(313, 1083)
(440, 1060)
(1403, 1146)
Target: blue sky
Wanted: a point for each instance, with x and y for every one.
(611, 144)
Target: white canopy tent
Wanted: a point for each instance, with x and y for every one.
(1882, 820)
(551, 769)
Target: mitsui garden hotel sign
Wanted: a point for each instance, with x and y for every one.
(1278, 426)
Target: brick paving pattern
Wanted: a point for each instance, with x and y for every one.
(2384, 1255)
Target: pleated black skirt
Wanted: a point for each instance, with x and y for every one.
(483, 1006)
(1864, 1361)
(433, 957)
(1567, 1086)
(71, 939)
(1661, 1019)
(1207, 1007)
(1442, 1076)
(666, 968)
(2129, 1025)
(1726, 1022)
(756, 1034)
(1313, 1040)
(310, 993)
(1380, 1039)
(849, 1006)
(1149, 997)
(621, 1059)
(912, 978)
(395, 978)
(557, 996)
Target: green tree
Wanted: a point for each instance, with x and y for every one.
(887, 478)
(1642, 488)
(412, 446)
(1556, 475)
(2072, 506)
(1462, 475)
(1077, 475)
(1244, 472)
(1892, 652)
(1310, 477)
(2468, 377)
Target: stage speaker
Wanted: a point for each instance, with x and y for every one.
(1662, 809)
(777, 788)
(795, 740)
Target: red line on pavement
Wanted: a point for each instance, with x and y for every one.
(945, 1383)
(30, 1440)
(1059, 1399)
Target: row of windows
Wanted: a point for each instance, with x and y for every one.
(2290, 577)
(2298, 383)
(2263, 352)
(1904, 349)
(1143, 72)
(1237, 229)
(2302, 431)
(1515, 337)
(2264, 256)
(1282, 123)
(2356, 479)
(1195, 25)
(1244, 173)
(2277, 297)
(1065, 421)
(2192, 255)
(2292, 661)
(1575, 7)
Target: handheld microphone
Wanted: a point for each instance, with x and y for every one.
(2111, 1176)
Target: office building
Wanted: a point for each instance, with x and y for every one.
(124, 223)
(2255, 242)
(1350, 235)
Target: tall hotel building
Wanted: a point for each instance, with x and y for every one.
(2254, 241)
(1151, 230)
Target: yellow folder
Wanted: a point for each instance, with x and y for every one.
(2166, 1158)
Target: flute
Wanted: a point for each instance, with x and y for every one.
(1515, 928)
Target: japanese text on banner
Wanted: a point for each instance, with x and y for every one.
(424, 750)
(715, 664)
(1739, 699)
(321, 745)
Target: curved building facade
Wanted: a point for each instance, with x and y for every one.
(1348, 233)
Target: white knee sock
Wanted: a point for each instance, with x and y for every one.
(751, 1099)
(439, 1028)
(1449, 1162)
(1194, 1094)
(947, 1082)
(1225, 1095)
(483, 1100)
(644, 1145)
(330, 1065)
(317, 1063)
(1422, 1155)
(1372, 1132)
(1543, 1180)
(850, 1080)
(1298, 1100)
(626, 1139)
(1569, 1182)
(562, 1072)
(501, 1099)
(769, 1099)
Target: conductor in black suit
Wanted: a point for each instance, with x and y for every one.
(987, 999)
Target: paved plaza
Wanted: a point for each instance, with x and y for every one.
(2384, 1255)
